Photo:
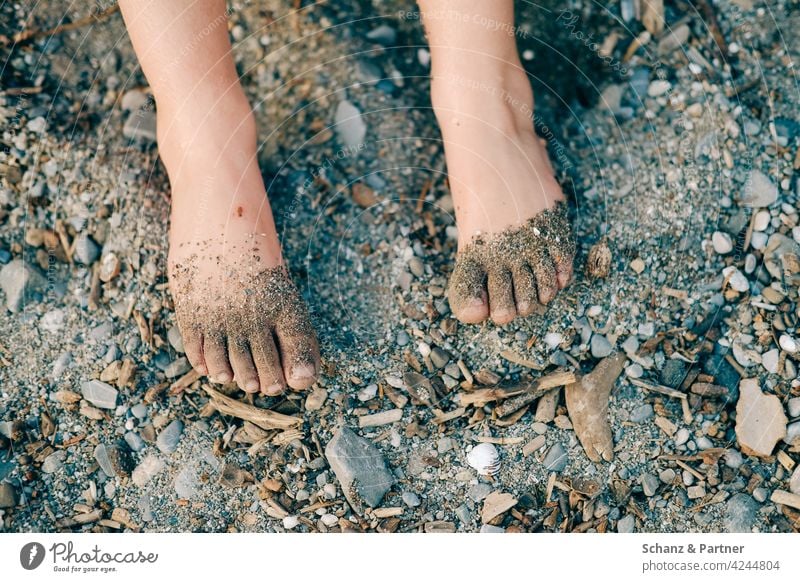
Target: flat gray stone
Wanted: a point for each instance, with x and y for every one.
(87, 251)
(177, 368)
(759, 190)
(99, 394)
(168, 439)
(20, 281)
(600, 346)
(556, 458)
(642, 413)
(650, 484)
(627, 524)
(740, 513)
(140, 125)
(359, 467)
(350, 127)
(8, 496)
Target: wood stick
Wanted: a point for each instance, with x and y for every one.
(266, 419)
(27, 35)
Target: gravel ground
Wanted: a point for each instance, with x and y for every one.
(681, 156)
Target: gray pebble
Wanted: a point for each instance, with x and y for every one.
(167, 441)
(134, 441)
(627, 524)
(175, 339)
(21, 283)
(556, 458)
(740, 513)
(54, 462)
(760, 494)
(411, 499)
(600, 346)
(649, 484)
(479, 491)
(100, 394)
(641, 413)
(87, 251)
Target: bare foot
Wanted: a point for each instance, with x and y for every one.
(239, 313)
(515, 242)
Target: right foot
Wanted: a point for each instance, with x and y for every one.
(240, 315)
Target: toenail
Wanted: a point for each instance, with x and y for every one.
(251, 386)
(274, 390)
(222, 378)
(303, 372)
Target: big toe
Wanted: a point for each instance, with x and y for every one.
(467, 292)
(299, 355)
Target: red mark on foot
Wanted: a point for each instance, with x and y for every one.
(239, 211)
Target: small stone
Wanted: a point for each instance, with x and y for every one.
(133, 100)
(658, 87)
(99, 394)
(794, 481)
(681, 437)
(761, 220)
(479, 491)
(8, 496)
(673, 39)
(185, 484)
(440, 357)
(134, 441)
(788, 344)
(634, 371)
(673, 373)
(140, 125)
(626, 524)
(793, 406)
(87, 251)
(601, 347)
(637, 265)
(667, 476)
(167, 441)
(733, 458)
(792, 433)
(649, 484)
(496, 503)
(696, 491)
(147, 469)
(487, 528)
(641, 413)
(553, 340)
(760, 494)
(291, 521)
(722, 243)
(177, 368)
(760, 420)
(736, 279)
(329, 520)
(114, 460)
(556, 458)
(384, 35)
(740, 514)
(411, 499)
(350, 126)
(54, 462)
(316, 398)
(769, 360)
(631, 345)
(359, 467)
(759, 190)
(21, 283)
(175, 339)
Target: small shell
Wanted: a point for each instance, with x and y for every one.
(598, 263)
(484, 458)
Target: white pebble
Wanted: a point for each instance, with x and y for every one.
(770, 361)
(736, 279)
(553, 340)
(788, 344)
(761, 220)
(291, 521)
(722, 243)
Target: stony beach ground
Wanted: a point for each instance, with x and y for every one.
(679, 147)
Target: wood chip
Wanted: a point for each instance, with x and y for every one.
(380, 419)
(184, 382)
(266, 419)
(384, 512)
(499, 440)
(515, 358)
(666, 425)
(495, 504)
(442, 417)
(786, 498)
(533, 445)
(786, 461)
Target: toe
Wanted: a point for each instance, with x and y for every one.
(268, 364)
(300, 357)
(563, 273)
(467, 292)
(546, 283)
(193, 347)
(524, 290)
(244, 368)
(501, 297)
(215, 355)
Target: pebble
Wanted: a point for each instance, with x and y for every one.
(794, 481)
(696, 491)
(167, 441)
(359, 467)
(488, 528)
(556, 458)
(99, 394)
(641, 413)
(681, 437)
(479, 491)
(631, 345)
(759, 190)
(440, 357)
(316, 398)
(788, 344)
(740, 514)
(704, 443)
(87, 251)
(384, 35)
(185, 483)
(760, 494)
(20, 282)
(291, 521)
(722, 243)
(177, 368)
(658, 87)
(634, 371)
(175, 339)
(553, 340)
(667, 476)
(761, 220)
(411, 499)
(793, 406)
(8, 496)
(736, 279)
(54, 462)
(626, 524)
(350, 127)
(133, 99)
(402, 339)
(649, 484)
(139, 410)
(601, 347)
(769, 360)
(140, 125)
(733, 458)
(329, 520)
(147, 469)
(673, 373)
(134, 441)
(760, 420)
(113, 459)
(792, 433)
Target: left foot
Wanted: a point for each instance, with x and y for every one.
(515, 245)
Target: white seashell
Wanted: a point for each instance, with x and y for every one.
(484, 458)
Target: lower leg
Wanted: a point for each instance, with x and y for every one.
(500, 176)
(238, 312)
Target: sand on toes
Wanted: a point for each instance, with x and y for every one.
(515, 271)
(242, 320)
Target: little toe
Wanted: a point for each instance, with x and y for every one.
(193, 347)
(300, 357)
(215, 355)
(268, 364)
(244, 368)
(467, 292)
(501, 297)
(546, 283)
(524, 290)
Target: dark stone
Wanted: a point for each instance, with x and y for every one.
(740, 513)
(673, 373)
